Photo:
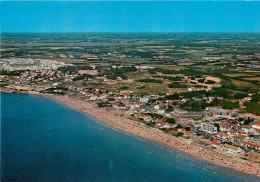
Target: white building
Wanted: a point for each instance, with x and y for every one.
(209, 128)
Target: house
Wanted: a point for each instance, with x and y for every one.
(248, 98)
(182, 130)
(169, 101)
(233, 133)
(158, 106)
(232, 149)
(251, 145)
(168, 125)
(138, 115)
(137, 110)
(225, 128)
(235, 110)
(115, 105)
(242, 106)
(246, 115)
(209, 99)
(159, 122)
(220, 98)
(209, 128)
(256, 126)
(246, 129)
(133, 104)
(94, 97)
(216, 143)
(256, 131)
(121, 106)
(238, 139)
(144, 99)
(147, 118)
(161, 111)
(233, 126)
(223, 135)
(251, 94)
(185, 100)
(191, 133)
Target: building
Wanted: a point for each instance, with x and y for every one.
(246, 129)
(209, 128)
(256, 126)
(219, 112)
(251, 146)
(158, 106)
(232, 149)
(238, 139)
(223, 136)
(216, 143)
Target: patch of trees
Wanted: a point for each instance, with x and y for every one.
(10, 73)
(187, 72)
(220, 92)
(193, 105)
(103, 104)
(170, 120)
(176, 85)
(256, 98)
(248, 121)
(170, 97)
(69, 69)
(210, 82)
(154, 115)
(151, 71)
(124, 88)
(119, 72)
(253, 107)
(169, 109)
(142, 87)
(177, 78)
(240, 95)
(229, 105)
(113, 74)
(227, 83)
(150, 81)
(200, 93)
(201, 80)
(152, 124)
(82, 77)
(3, 84)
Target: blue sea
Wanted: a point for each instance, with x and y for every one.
(43, 140)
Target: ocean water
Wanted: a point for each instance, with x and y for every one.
(43, 140)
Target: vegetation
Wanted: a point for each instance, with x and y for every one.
(150, 81)
(177, 85)
(10, 73)
(170, 120)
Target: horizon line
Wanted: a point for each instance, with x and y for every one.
(139, 32)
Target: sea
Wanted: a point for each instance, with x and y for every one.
(45, 141)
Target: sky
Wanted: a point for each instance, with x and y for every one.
(126, 16)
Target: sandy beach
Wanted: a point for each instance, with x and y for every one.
(150, 133)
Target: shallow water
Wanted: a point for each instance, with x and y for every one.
(43, 140)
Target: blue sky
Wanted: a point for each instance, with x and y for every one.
(128, 16)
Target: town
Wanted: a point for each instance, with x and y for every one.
(206, 116)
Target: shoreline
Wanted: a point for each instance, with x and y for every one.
(143, 131)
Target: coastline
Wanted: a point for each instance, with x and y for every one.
(141, 130)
